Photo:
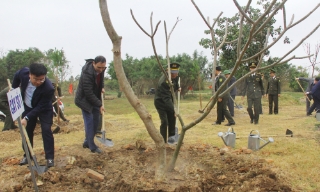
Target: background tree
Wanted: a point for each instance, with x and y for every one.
(312, 59)
(57, 64)
(16, 59)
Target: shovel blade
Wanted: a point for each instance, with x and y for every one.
(106, 142)
(40, 169)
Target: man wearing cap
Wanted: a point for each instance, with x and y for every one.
(163, 102)
(253, 86)
(273, 92)
(222, 101)
(233, 92)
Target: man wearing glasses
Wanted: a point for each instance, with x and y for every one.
(36, 92)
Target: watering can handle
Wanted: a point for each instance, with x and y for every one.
(255, 131)
(231, 128)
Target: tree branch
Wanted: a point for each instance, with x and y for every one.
(242, 12)
(139, 24)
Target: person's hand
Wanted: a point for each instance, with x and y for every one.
(102, 91)
(297, 78)
(219, 99)
(24, 122)
(278, 95)
(307, 93)
(179, 89)
(102, 109)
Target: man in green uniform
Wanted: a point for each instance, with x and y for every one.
(273, 92)
(222, 101)
(4, 107)
(254, 89)
(163, 102)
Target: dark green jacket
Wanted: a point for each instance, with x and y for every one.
(163, 93)
(253, 86)
(3, 95)
(220, 79)
(273, 87)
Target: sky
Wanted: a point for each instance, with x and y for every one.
(76, 27)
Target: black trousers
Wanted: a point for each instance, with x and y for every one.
(46, 122)
(273, 99)
(256, 104)
(222, 111)
(168, 120)
(231, 104)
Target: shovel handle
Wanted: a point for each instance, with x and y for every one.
(102, 115)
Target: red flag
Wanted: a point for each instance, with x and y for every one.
(70, 88)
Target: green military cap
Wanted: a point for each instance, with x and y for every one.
(174, 67)
(226, 72)
(252, 65)
(272, 71)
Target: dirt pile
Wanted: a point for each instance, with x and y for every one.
(199, 168)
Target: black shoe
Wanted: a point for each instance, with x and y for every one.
(14, 127)
(85, 145)
(251, 121)
(229, 124)
(222, 120)
(276, 113)
(97, 150)
(66, 120)
(50, 163)
(24, 161)
(256, 122)
(215, 123)
(309, 114)
(270, 113)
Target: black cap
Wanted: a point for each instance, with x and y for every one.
(252, 65)
(218, 68)
(174, 67)
(272, 71)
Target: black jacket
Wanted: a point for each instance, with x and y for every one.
(88, 91)
(41, 99)
(163, 96)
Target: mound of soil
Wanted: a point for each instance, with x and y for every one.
(198, 168)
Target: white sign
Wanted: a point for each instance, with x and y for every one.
(15, 103)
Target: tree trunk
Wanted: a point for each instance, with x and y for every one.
(132, 98)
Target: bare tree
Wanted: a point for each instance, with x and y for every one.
(312, 57)
(242, 47)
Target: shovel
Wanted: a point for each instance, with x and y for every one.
(107, 142)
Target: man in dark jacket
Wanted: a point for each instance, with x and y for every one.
(253, 86)
(4, 107)
(273, 92)
(308, 96)
(222, 101)
(233, 92)
(315, 94)
(163, 102)
(88, 98)
(36, 92)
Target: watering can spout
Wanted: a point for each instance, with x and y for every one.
(267, 142)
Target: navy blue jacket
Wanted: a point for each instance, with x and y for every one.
(41, 99)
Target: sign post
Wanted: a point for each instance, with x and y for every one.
(16, 108)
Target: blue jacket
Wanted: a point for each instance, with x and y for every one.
(41, 99)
